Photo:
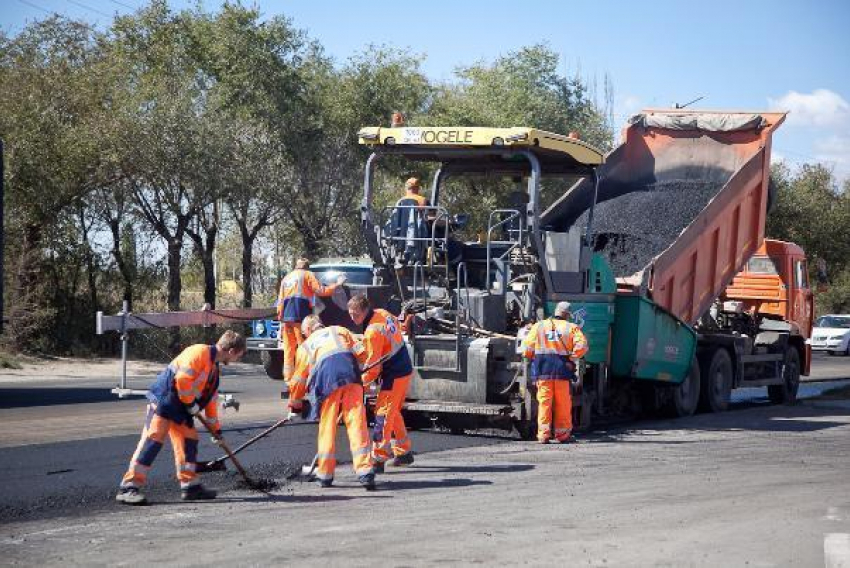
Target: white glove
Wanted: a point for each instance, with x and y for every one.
(341, 280)
(292, 415)
(194, 409)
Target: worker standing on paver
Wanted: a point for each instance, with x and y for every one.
(327, 373)
(298, 291)
(187, 387)
(554, 346)
(412, 195)
(382, 340)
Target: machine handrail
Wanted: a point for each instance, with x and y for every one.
(514, 214)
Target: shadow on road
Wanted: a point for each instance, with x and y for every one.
(387, 485)
(25, 398)
(768, 418)
(463, 469)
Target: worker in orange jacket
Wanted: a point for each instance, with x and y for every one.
(386, 357)
(187, 387)
(298, 291)
(554, 346)
(412, 195)
(328, 374)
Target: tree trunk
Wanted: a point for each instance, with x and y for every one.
(175, 283)
(247, 264)
(24, 302)
(123, 267)
(175, 287)
(209, 276)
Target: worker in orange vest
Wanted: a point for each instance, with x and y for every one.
(328, 374)
(383, 341)
(412, 195)
(554, 346)
(298, 291)
(187, 387)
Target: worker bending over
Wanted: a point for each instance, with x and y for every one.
(554, 346)
(187, 387)
(298, 291)
(327, 369)
(386, 357)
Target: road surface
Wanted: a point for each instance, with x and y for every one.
(758, 485)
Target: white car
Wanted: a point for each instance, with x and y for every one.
(832, 333)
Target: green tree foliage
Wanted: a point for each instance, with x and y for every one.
(814, 212)
(172, 130)
(47, 96)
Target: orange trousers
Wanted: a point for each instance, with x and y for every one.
(348, 402)
(554, 404)
(389, 436)
(290, 334)
(184, 442)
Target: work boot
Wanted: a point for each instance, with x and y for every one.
(197, 493)
(403, 460)
(567, 440)
(543, 440)
(378, 467)
(131, 496)
(324, 483)
(367, 481)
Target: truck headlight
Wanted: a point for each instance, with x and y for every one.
(260, 328)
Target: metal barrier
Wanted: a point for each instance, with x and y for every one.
(125, 321)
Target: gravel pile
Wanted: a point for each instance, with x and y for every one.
(632, 229)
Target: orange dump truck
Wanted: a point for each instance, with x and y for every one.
(683, 299)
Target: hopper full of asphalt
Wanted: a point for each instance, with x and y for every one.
(632, 229)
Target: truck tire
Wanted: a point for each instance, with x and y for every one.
(786, 393)
(273, 364)
(685, 396)
(716, 381)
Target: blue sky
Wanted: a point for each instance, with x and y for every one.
(744, 54)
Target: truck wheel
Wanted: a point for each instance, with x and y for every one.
(716, 379)
(684, 398)
(273, 364)
(786, 393)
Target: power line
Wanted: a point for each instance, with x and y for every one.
(36, 6)
(123, 4)
(89, 8)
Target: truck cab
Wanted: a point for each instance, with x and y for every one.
(774, 285)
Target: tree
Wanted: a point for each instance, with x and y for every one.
(813, 212)
(47, 94)
(327, 161)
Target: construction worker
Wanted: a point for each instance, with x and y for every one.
(386, 357)
(187, 387)
(298, 291)
(412, 195)
(554, 346)
(327, 370)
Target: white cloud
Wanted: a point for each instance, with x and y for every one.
(834, 151)
(821, 107)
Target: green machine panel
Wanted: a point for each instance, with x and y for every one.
(649, 343)
(594, 313)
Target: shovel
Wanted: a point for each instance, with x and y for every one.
(227, 451)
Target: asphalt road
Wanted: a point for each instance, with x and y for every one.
(760, 485)
(65, 439)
